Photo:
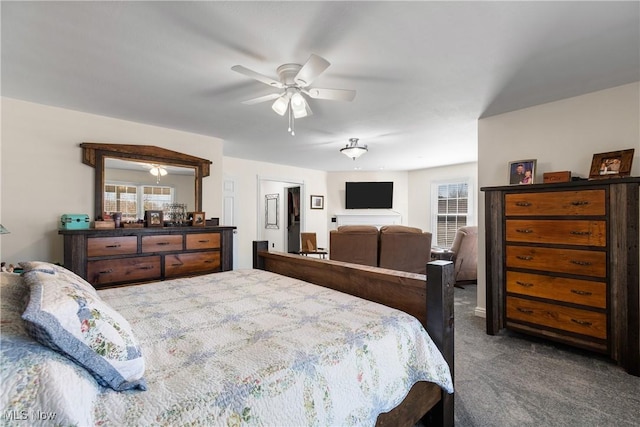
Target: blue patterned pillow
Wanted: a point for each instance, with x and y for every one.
(64, 315)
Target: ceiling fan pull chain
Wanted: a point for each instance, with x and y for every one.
(291, 121)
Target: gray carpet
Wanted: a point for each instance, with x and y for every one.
(515, 380)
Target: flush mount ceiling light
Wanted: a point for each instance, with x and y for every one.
(354, 150)
(157, 171)
(295, 80)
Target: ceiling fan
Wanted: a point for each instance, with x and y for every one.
(294, 82)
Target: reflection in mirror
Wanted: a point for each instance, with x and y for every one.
(131, 187)
(271, 203)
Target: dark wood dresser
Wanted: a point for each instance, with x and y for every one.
(111, 257)
(562, 263)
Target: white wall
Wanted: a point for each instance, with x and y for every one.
(420, 187)
(562, 135)
(43, 175)
(245, 173)
(335, 200)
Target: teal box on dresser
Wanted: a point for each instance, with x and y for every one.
(75, 222)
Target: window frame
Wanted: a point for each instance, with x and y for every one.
(139, 193)
(435, 187)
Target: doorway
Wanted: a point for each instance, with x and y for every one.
(293, 219)
(280, 226)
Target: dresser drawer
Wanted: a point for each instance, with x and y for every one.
(560, 317)
(162, 243)
(191, 263)
(585, 202)
(203, 241)
(585, 263)
(582, 292)
(123, 270)
(105, 246)
(569, 232)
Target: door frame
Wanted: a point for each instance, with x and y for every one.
(286, 182)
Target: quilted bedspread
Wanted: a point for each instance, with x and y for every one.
(239, 348)
(250, 347)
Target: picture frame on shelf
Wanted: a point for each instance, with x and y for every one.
(153, 218)
(198, 219)
(614, 164)
(522, 172)
(317, 202)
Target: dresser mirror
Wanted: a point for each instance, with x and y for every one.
(143, 168)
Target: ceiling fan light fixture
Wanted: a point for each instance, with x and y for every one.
(157, 171)
(354, 150)
(281, 104)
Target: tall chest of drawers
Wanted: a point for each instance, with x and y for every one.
(115, 257)
(563, 264)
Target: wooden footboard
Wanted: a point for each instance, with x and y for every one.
(430, 301)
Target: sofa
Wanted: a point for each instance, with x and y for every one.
(395, 247)
(354, 243)
(404, 248)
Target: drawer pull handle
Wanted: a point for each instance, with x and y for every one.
(145, 267)
(580, 203)
(579, 292)
(117, 245)
(203, 241)
(524, 258)
(163, 243)
(524, 230)
(178, 264)
(208, 261)
(582, 322)
(523, 204)
(576, 262)
(525, 310)
(106, 271)
(524, 284)
(581, 233)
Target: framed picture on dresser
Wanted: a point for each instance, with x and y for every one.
(153, 218)
(522, 172)
(197, 219)
(613, 164)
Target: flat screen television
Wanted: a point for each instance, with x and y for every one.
(369, 195)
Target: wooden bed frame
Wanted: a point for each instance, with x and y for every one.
(430, 301)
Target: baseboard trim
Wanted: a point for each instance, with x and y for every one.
(480, 312)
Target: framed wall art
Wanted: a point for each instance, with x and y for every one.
(317, 202)
(272, 211)
(614, 164)
(522, 172)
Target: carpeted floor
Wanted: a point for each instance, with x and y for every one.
(516, 380)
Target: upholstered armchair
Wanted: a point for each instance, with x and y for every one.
(354, 243)
(404, 248)
(465, 254)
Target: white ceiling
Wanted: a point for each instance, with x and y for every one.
(424, 72)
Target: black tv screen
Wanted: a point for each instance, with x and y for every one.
(369, 195)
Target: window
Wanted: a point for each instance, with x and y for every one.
(451, 209)
(132, 200)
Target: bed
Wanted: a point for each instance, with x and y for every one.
(264, 346)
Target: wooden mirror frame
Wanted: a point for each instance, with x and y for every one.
(94, 154)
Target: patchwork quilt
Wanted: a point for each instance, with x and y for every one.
(252, 348)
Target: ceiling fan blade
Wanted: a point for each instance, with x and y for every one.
(331, 94)
(261, 99)
(257, 76)
(314, 66)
